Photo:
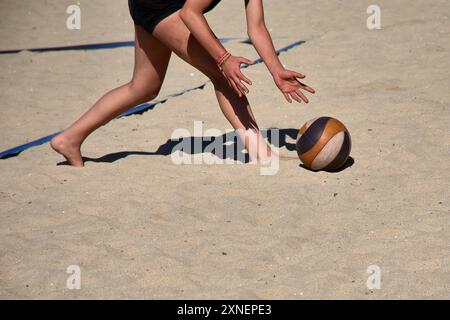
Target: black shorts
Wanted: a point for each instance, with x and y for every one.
(148, 13)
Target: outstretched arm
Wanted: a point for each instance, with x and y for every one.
(286, 80)
(192, 16)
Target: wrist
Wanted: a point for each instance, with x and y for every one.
(277, 76)
(275, 71)
(222, 58)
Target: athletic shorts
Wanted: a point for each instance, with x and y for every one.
(148, 13)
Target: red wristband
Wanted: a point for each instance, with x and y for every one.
(222, 57)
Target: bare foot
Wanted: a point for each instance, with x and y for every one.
(68, 149)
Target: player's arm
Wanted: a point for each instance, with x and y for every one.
(286, 80)
(192, 16)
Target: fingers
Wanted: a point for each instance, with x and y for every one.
(245, 61)
(242, 88)
(233, 85)
(296, 96)
(306, 87)
(292, 90)
(303, 86)
(302, 96)
(237, 86)
(298, 75)
(288, 99)
(238, 80)
(244, 78)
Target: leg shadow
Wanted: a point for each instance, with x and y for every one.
(224, 147)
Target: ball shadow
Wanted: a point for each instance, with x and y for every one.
(350, 162)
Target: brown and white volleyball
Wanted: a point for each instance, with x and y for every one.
(323, 144)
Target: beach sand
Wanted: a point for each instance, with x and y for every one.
(140, 226)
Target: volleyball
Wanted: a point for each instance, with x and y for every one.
(323, 144)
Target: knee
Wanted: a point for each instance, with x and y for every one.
(144, 91)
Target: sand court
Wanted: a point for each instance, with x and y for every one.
(140, 226)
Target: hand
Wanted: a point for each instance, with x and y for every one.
(231, 69)
(287, 81)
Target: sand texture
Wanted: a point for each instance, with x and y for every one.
(140, 226)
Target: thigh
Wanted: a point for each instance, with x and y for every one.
(175, 35)
(151, 58)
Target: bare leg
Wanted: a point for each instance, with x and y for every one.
(176, 36)
(151, 61)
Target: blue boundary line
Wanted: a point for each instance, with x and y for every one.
(102, 46)
(140, 109)
(93, 46)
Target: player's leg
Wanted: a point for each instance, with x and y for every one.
(151, 61)
(176, 36)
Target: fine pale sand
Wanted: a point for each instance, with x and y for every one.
(140, 226)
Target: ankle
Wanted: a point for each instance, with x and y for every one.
(66, 138)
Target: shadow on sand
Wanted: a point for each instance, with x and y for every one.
(229, 147)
